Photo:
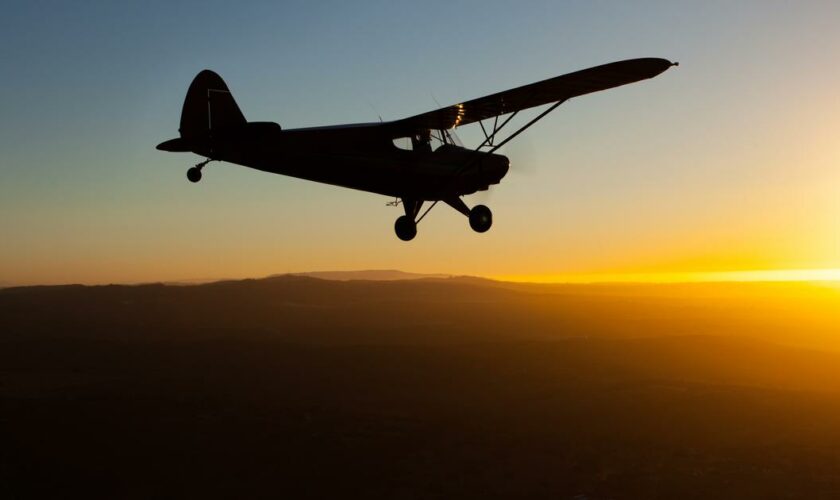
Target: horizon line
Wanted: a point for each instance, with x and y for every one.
(640, 278)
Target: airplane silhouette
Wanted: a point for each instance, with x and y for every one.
(432, 166)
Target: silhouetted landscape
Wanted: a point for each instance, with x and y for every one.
(298, 387)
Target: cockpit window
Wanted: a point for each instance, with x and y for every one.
(417, 142)
(403, 143)
(428, 141)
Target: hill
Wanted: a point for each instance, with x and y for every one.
(302, 387)
(370, 275)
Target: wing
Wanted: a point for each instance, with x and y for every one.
(554, 89)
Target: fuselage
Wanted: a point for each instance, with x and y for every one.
(360, 156)
(365, 156)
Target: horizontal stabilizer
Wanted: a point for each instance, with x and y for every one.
(178, 145)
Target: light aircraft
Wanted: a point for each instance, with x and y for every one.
(366, 156)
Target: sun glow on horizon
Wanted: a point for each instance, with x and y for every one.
(775, 275)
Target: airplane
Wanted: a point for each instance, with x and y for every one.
(431, 167)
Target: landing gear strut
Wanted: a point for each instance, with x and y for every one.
(194, 173)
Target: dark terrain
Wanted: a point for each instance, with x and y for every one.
(433, 388)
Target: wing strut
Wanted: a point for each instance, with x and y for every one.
(488, 139)
(522, 128)
(495, 128)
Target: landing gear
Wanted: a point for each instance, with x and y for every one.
(194, 173)
(405, 228)
(481, 218)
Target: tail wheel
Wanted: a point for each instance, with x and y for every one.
(405, 228)
(481, 218)
(194, 174)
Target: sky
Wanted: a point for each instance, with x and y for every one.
(728, 163)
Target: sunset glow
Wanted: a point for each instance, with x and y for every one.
(803, 275)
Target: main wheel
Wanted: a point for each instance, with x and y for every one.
(481, 218)
(405, 228)
(194, 174)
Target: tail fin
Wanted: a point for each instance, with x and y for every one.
(209, 106)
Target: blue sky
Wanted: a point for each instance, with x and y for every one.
(728, 162)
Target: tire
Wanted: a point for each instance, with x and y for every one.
(194, 174)
(405, 228)
(481, 218)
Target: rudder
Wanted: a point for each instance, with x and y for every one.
(209, 106)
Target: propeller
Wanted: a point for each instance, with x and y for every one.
(522, 155)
